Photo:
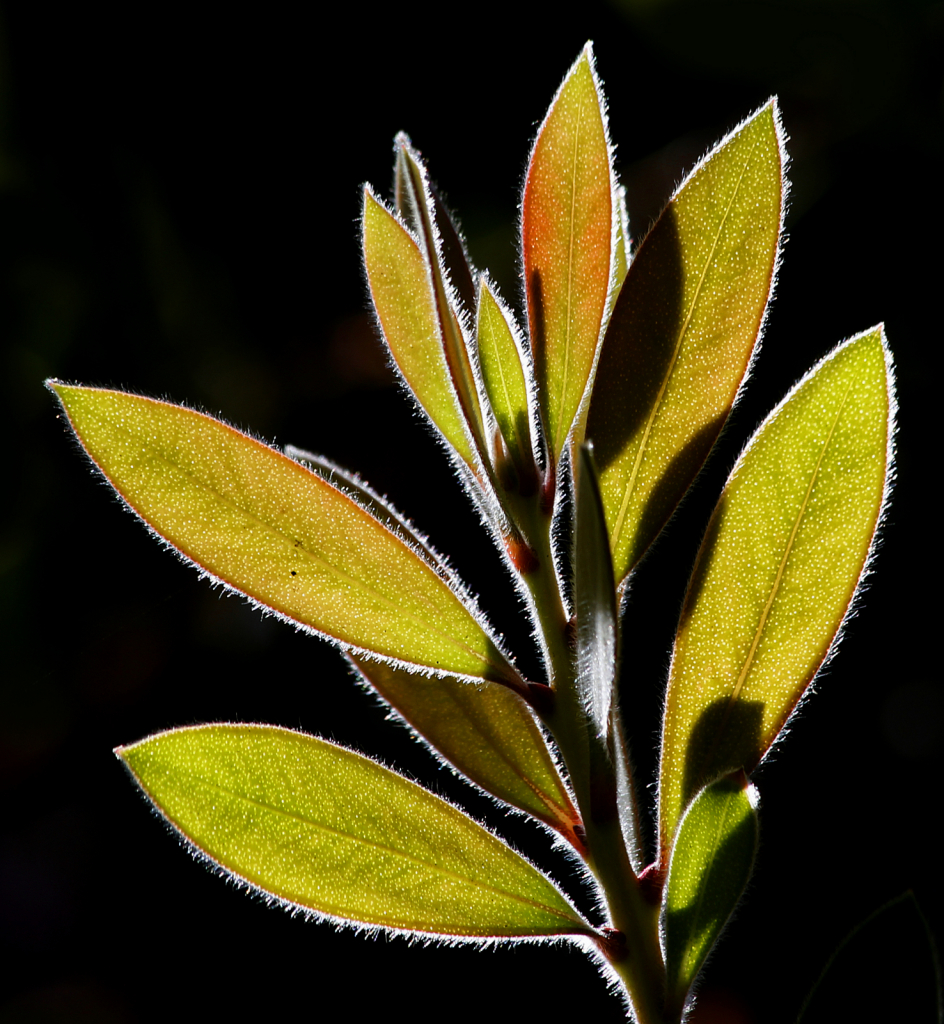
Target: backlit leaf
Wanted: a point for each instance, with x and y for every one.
(414, 188)
(281, 534)
(330, 831)
(504, 374)
(777, 571)
(486, 732)
(711, 863)
(406, 307)
(567, 246)
(682, 332)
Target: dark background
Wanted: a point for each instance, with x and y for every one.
(179, 189)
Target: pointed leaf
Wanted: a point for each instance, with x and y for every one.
(506, 375)
(711, 863)
(409, 317)
(486, 732)
(277, 532)
(595, 598)
(328, 830)
(777, 571)
(682, 333)
(567, 246)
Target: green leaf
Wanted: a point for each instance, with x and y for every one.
(568, 246)
(777, 571)
(594, 597)
(682, 333)
(284, 536)
(409, 316)
(505, 373)
(711, 863)
(330, 831)
(486, 732)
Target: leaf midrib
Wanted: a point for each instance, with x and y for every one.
(778, 579)
(558, 441)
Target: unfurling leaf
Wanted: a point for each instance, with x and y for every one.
(414, 191)
(486, 732)
(777, 571)
(567, 247)
(595, 598)
(279, 533)
(712, 860)
(682, 332)
(409, 316)
(328, 830)
(505, 374)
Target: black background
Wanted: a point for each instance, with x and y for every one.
(179, 188)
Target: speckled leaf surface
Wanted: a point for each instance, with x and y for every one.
(486, 732)
(331, 831)
(402, 290)
(682, 333)
(777, 571)
(567, 246)
(272, 529)
(711, 863)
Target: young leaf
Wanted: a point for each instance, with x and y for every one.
(567, 246)
(400, 286)
(328, 830)
(711, 863)
(595, 598)
(777, 571)
(683, 329)
(275, 531)
(505, 374)
(486, 732)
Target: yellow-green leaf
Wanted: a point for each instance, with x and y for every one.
(277, 532)
(711, 863)
(487, 732)
(505, 377)
(332, 832)
(683, 329)
(777, 571)
(568, 246)
(402, 291)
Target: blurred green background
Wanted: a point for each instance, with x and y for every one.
(179, 191)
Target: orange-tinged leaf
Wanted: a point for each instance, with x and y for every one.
(279, 533)
(406, 307)
(568, 246)
(487, 732)
(777, 572)
(683, 331)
